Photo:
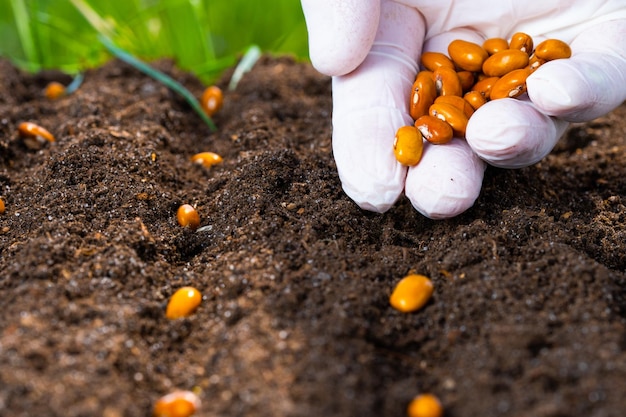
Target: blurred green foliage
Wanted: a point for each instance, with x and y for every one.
(202, 36)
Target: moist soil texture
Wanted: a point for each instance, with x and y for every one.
(527, 318)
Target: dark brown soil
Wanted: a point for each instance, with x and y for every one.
(528, 318)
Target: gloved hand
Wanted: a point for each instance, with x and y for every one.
(372, 47)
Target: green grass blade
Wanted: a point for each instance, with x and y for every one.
(250, 58)
(20, 14)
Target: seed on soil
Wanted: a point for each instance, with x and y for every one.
(54, 90)
(411, 293)
(33, 135)
(212, 100)
(1, 206)
(425, 405)
(188, 216)
(183, 303)
(206, 159)
(408, 145)
(177, 404)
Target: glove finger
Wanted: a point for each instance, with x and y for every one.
(370, 104)
(363, 151)
(589, 84)
(341, 33)
(510, 133)
(447, 180)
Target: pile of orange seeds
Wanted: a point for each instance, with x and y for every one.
(451, 87)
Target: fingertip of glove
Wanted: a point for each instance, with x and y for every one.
(372, 195)
(446, 182)
(553, 96)
(512, 133)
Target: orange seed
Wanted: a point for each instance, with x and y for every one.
(447, 82)
(493, 45)
(1, 206)
(411, 293)
(188, 216)
(448, 113)
(177, 404)
(467, 79)
(434, 130)
(503, 62)
(523, 42)
(475, 99)
(408, 145)
(511, 85)
(467, 55)
(423, 93)
(552, 49)
(34, 135)
(206, 159)
(458, 102)
(54, 90)
(212, 100)
(425, 405)
(433, 60)
(183, 303)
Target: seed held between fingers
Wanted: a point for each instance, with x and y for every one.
(523, 42)
(447, 82)
(183, 303)
(493, 45)
(511, 85)
(467, 79)
(552, 49)
(534, 62)
(433, 60)
(458, 102)
(176, 404)
(423, 94)
(450, 114)
(503, 62)
(188, 216)
(475, 99)
(467, 55)
(434, 129)
(411, 293)
(408, 145)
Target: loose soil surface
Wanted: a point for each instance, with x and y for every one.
(528, 317)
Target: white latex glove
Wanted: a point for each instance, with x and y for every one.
(372, 47)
